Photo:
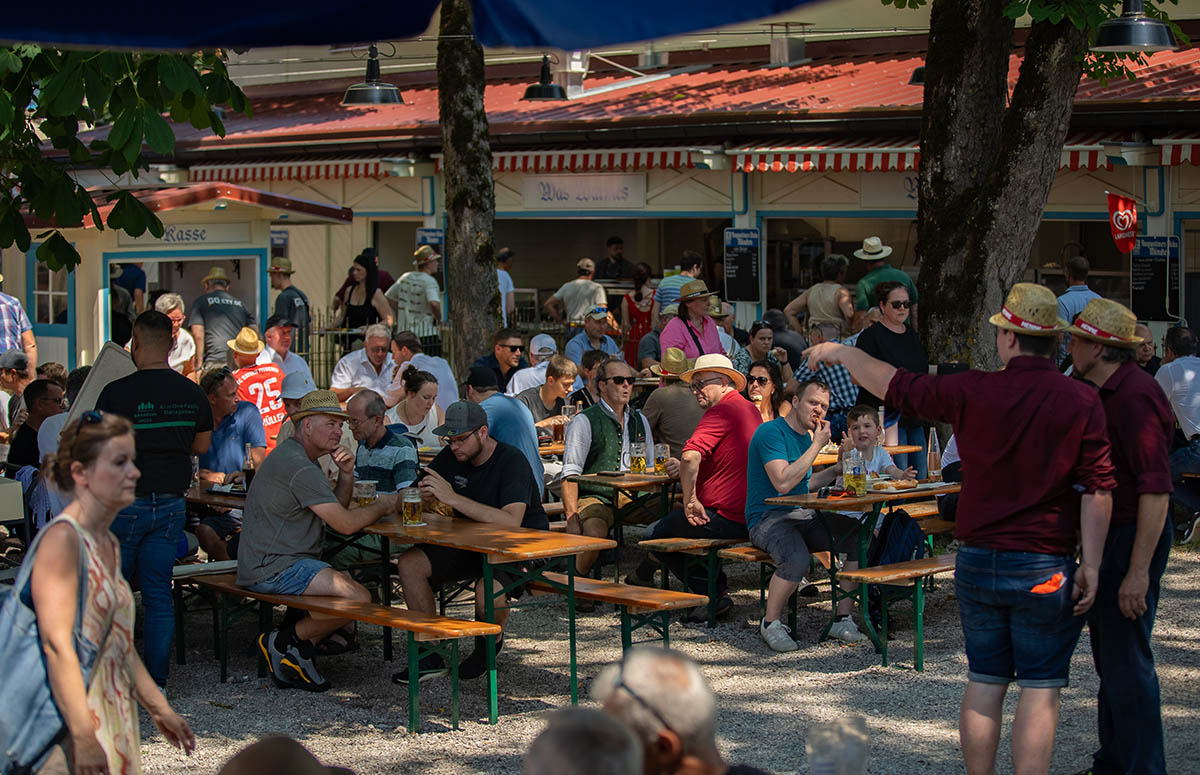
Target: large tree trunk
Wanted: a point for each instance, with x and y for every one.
(474, 295)
(986, 171)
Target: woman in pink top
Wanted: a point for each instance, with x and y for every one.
(693, 331)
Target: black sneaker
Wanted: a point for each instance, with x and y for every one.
(294, 668)
(476, 665)
(429, 666)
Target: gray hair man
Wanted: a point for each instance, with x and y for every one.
(183, 348)
(584, 741)
(370, 367)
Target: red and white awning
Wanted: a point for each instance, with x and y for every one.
(878, 154)
(587, 160)
(1179, 148)
(292, 169)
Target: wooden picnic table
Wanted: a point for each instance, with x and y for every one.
(198, 495)
(870, 504)
(828, 459)
(639, 488)
(496, 545)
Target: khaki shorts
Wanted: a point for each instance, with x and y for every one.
(594, 508)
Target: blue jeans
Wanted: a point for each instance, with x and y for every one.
(676, 525)
(913, 435)
(1017, 619)
(149, 531)
(1185, 460)
(1129, 714)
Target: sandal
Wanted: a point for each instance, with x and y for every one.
(341, 641)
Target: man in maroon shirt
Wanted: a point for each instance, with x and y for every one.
(1103, 345)
(1034, 441)
(712, 473)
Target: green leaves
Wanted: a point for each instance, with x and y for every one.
(131, 216)
(56, 253)
(902, 4)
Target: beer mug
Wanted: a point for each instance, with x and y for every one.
(364, 492)
(661, 453)
(637, 457)
(410, 506)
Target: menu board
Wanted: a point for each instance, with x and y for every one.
(1154, 278)
(741, 265)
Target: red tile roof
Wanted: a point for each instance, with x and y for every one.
(827, 88)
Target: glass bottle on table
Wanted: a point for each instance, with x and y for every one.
(854, 472)
(934, 452)
(248, 468)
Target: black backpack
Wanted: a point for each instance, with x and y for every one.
(900, 539)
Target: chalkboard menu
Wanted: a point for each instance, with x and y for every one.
(741, 265)
(1154, 278)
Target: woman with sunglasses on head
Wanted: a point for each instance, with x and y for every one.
(894, 341)
(95, 466)
(764, 388)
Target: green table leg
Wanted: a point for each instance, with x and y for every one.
(264, 625)
(489, 614)
(414, 684)
(626, 630)
(883, 620)
(864, 597)
(710, 567)
(571, 627)
(223, 638)
(385, 594)
(919, 636)
(454, 683)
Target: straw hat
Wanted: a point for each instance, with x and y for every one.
(718, 363)
(873, 249)
(1107, 322)
(1030, 309)
(319, 402)
(692, 290)
(716, 308)
(674, 363)
(281, 265)
(424, 254)
(246, 342)
(215, 273)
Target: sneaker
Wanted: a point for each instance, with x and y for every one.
(808, 589)
(638, 580)
(429, 666)
(846, 630)
(777, 635)
(1192, 535)
(476, 665)
(293, 668)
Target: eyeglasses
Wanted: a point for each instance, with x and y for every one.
(759, 380)
(513, 348)
(354, 422)
(455, 440)
(621, 684)
(698, 385)
(900, 304)
(620, 380)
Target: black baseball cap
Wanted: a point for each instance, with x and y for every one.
(278, 320)
(462, 417)
(481, 377)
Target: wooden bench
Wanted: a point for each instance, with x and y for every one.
(639, 606)
(706, 550)
(553, 509)
(909, 575)
(934, 527)
(425, 631)
(919, 509)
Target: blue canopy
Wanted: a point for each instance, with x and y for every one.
(146, 24)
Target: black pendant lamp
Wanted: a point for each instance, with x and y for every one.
(545, 89)
(372, 91)
(1134, 32)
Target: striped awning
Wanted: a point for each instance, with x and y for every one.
(882, 154)
(588, 160)
(291, 169)
(1179, 148)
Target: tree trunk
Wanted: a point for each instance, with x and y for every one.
(474, 295)
(986, 171)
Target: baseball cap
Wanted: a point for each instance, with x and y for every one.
(14, 359)
(278, 320)
(462, 417)
(586, 264)
(482, 377)
(297, 385)
(543, 344)
(597, 313)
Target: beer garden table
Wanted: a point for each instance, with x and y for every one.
(639, 488)
(538, 551)
(200, 494)
(871, 504)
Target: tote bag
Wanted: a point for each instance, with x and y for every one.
(30, 723)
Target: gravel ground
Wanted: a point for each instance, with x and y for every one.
(361, 723)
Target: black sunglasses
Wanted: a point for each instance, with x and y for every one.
(621, 380)
(900, 304)
(513, 348)
(759, 380)
(90, 417)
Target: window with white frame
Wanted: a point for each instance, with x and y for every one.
(50, 295)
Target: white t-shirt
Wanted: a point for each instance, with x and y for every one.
(506, 287)
(438, 367)
(412, 294)
(1180, 379)
(354, 370)
(950, 454)
(182, 351)
(534, 376)
(48, 433)
(291, 363)
(580, 296)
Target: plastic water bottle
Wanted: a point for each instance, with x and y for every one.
(934, 456)
(854, 472)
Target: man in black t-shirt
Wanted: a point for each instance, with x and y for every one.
(291, 304)
(478, 478)
(215, 318)
(172, 421)
(43, 398)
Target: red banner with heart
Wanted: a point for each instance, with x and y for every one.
(1122, 217)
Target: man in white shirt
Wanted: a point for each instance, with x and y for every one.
(577, 297)
(407, 352)
(415, 297)
(541, 347)
(370, 367)
(278, 335)
(183, 347)
(1179, 377)
(508, 292)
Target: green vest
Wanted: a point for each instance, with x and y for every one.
(605, 452)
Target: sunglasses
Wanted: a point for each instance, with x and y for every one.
(698, 385)
(513, 348)
(90, 417)
(759, 380)
(622, 380)
(900, 304)
(599, 311)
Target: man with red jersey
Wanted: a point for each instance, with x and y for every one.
(259, 383)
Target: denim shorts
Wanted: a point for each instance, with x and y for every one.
(293, 580)
(1016, 616)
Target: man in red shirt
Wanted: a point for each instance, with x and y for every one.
(1104, 341)
(1038, 445)
(712, 472)
(260, 384)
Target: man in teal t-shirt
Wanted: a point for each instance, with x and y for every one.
(875, 253)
